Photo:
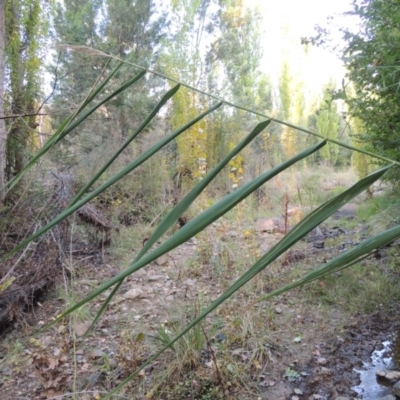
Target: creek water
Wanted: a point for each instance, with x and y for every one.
(387, 357)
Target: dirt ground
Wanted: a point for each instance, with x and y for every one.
(347, 352)
(317, 363)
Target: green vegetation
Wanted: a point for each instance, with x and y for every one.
(149, 154)
(371, 92)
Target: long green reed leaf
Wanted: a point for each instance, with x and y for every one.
(345, 260)
(66, 126)
(196, 225)
(146, 121)
(87, 113)
(173, 216)
(293, 236)
(67, 212)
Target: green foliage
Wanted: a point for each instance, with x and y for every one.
(133, 32)
(328, 125)
(372, 60)
(188, 117)
(210, 215)
(25, 32)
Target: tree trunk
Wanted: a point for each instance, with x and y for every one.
(3, 132)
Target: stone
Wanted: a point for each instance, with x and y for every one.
(82, 327)
(270, 225)
(220, 337)
(277, 392)
(112, 364)
(342, 398)
(162, 260)
(396, 389)
(347, 211)
(232, 234)
(324, 371)
(264, 225)
(94, 379)
(388, 397)
(133, 294)
(319, 244)
(391, 376)
(192, 241)
(153, 278)
(97, 353)
(291, 212)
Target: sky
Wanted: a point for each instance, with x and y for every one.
(285, 23)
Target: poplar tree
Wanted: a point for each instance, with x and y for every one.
(327, 123)
(25, 29)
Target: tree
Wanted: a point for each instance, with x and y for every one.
(24, 31)
(233, 69)
(183, 59)
(129, 30)
(327, 123)
(3, 132)
(372, 58)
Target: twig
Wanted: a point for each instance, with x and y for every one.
(211, 351)
(5, 277)
(14, 116)
(285, 210)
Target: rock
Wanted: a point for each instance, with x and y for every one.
(220, 337)
(324, 371)
(277, 392)
(153, 278)
(319, 244)
(192, 241)
(390, 376)
(396, 389)
(318, 233)
(321, 361)
(93, 379)
(342, 398)
(232, 234)
(264, 225)
(81, 328)
(132, 294)
(388, 397)
(347, 211)
(97, 353)
(315, 235)
(270, 225)
(162, 260)
(112, 364)
(291, 212)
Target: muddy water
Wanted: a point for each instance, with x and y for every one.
(385, 357)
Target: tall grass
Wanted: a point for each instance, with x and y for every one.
(208, 216)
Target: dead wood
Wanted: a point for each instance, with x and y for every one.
(34, 270)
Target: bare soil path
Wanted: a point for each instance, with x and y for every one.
(285, 350)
